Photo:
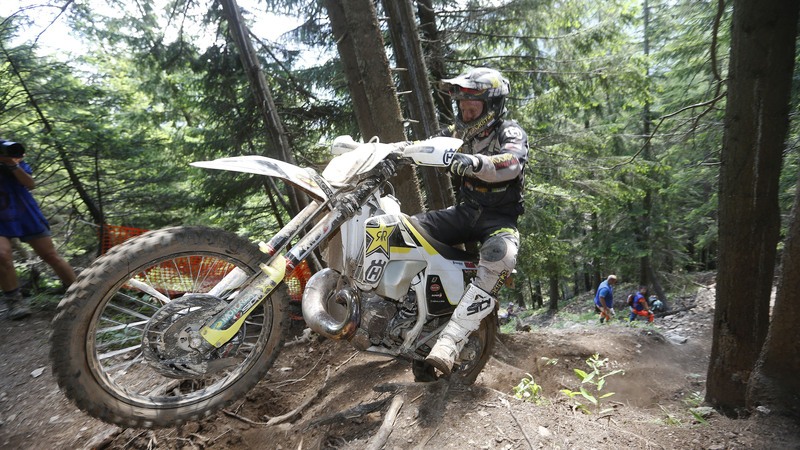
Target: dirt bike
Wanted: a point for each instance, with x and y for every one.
(175, 324)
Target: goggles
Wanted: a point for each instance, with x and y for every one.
(470, 91)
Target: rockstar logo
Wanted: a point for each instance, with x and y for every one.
(378, 238)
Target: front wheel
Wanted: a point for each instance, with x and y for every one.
(119, 351)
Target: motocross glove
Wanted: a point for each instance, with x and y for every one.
(463, 164)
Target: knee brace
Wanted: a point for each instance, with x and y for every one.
(498, 258)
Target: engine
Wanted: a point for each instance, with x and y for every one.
(384, 322)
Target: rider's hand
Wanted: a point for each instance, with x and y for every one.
(463, 164)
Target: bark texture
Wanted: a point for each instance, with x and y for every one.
(774, 382)
(412, 74)
(756, 120)
(366, 67)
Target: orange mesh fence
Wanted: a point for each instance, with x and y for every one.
(296, 282)
(192, 273)
(111, 235)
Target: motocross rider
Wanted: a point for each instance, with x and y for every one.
(491, 166)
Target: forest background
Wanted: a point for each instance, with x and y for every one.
(628, 106)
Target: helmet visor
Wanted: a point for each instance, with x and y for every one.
(463, 93)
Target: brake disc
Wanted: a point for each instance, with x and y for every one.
(172, 335)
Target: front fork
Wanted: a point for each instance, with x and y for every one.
(227, 323)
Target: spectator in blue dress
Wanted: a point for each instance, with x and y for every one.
(20, 217)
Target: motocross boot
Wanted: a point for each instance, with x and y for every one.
(17, 306)
(474, 305)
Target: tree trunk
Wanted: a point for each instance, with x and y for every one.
(647, 201)
(774, 382)
(756, 120)
(435, 57)
(413, 76)
(553, 292)
(519, 297)
(263, 95)
(587, 278)
(653, 283)
(595, 258)
(366, 67)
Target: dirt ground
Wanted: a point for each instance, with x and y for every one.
(664, 375)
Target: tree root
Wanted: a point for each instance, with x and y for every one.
(388, 423)
(674, 311)
(352, 413)
(288, 416)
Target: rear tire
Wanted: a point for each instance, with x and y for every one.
(97, 331)
(481, 343)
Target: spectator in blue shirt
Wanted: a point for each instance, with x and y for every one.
(604, 298)
(639, 306)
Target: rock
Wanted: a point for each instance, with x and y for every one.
(544, 432)
(703, 411)
(763, 410)
(677, 339)
(38, 372)
(191, 427)
(103, 437)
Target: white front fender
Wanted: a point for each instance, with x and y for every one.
(261, 165)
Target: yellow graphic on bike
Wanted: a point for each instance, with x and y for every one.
(378, 238)
(376, 250)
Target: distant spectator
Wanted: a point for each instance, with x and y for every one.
(604, 298)
(656, 306)
(20, 217)
(639, 306)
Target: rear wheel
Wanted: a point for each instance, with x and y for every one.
(473, 357)
(120, 342)
(476, 351)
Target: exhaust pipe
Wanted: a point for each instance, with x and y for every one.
(320, 305)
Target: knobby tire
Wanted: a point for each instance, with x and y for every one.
(96, 339)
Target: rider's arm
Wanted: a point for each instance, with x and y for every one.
(509, 162)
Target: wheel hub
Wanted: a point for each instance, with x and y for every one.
(171, 339)
(470, 354)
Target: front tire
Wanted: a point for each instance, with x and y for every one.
(96, 342)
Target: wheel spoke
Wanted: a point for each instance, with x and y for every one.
(121, 351)
(126, 317)
(123, 342)
(122, 326)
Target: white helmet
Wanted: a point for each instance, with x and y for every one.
(484, 84)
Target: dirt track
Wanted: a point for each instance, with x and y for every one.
(649, 407)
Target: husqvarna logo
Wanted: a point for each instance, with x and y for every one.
(448, 156)
(374, 272)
